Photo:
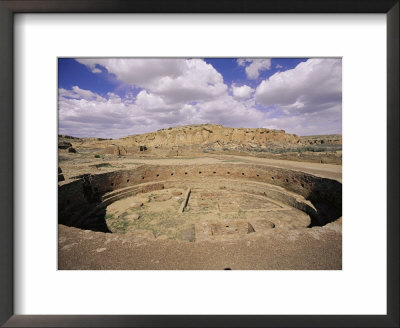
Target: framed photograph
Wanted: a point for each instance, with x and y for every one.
(185, 162)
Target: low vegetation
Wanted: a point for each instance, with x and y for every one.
(302, 149)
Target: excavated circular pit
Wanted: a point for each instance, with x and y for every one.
(199, 202)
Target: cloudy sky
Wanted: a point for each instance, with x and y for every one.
(116, 97)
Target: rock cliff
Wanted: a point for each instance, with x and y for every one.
(217, 136)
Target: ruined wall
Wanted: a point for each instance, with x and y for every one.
(87, 192)
(209, 133)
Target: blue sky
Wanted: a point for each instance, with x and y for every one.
(115, 97)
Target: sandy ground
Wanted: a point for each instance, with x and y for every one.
(75, 165)
(318, 248)
(287, 250)
(330, 171)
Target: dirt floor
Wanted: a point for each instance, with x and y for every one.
(305, 249)
(220, 228)
(75, 164)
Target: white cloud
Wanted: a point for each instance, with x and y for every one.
(228, 111)
(312, 86)
(278, 66)
(89, 114)
(198, 82)
(304, 100)
(78, 93)
(254, 66)
(96, 70)
(176, 80)
(137, 71)
(151, 102)
(84, 94)
(242, 92)
(242, 61)
(325, 122)
(114, 117)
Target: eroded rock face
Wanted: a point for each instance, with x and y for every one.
(115, 150)
(60, 175)
(204, 138)
(215, 135)
(64, 145)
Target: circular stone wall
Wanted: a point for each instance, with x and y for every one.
(225, 201)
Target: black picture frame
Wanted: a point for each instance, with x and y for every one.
(10, 7)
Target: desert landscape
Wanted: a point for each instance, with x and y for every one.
(202, 196)
(199, 163)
